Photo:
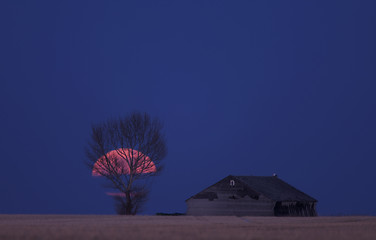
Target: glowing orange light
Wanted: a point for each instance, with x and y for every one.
(117, 160)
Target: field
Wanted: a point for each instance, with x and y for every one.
(184, 227)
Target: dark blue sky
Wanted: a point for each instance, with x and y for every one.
(243, 88)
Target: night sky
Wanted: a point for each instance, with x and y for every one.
(243, 88)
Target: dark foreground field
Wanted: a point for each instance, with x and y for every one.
(184, 227)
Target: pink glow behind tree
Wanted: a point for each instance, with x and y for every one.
(123, 161)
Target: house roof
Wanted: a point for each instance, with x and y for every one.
(274, 188)
(271, 187)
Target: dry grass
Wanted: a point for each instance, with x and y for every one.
(184, 227)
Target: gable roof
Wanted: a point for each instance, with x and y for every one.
(274, 188)
(271, 187)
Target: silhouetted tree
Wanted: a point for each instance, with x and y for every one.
(127, 152)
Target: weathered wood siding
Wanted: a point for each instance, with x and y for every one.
(224, 207)
(224, 199)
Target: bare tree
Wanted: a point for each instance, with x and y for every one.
(127, 152)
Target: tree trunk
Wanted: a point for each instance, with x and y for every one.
(128, 204)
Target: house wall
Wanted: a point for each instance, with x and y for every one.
(307, 209)
(223, 206)
(224, 199)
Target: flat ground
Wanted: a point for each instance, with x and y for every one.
(184, 227)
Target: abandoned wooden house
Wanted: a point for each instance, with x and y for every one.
(251, 196)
